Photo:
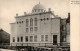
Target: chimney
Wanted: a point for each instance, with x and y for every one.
(49, 9)
(68, 14)
(16, 15)
(24, 13)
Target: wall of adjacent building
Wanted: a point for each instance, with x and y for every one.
(68, 33)
(55, 28)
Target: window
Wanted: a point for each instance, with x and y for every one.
(63, 27)
(17, 39)
(42, 37)
(31, 22)
(26, 29)
(22, 21)
(44, 19)
(21, 39)
(35, 28)
(31, 29)
(54, 39)
(13, 39)
(35, 21)
(47, 18)
(35, 38)
(17, 22)
(41, 19)
(26, 22)
(31, 38)
(46, 37)
(26, 38)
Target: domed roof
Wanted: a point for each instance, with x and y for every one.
(38, 8)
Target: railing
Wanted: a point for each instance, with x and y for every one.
(39, 44)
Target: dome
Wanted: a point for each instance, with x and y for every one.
(38, 8)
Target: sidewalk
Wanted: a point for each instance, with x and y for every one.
(6, 50)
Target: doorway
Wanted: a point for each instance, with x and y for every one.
(54, 39)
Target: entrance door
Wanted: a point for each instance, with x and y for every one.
(54, 39)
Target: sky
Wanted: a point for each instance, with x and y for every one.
(9, 8)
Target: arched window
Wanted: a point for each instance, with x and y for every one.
(31, 22)
(35, 21)
(27, 22)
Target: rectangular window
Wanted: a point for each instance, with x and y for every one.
(63, 27)
(35, 28)
(42, 37)
(13, 39)
(17, 39)
(26, 29)
(21, 39)
(26, 38)
(31, 38)
(46, 37)
(35, 38)
(31, 29)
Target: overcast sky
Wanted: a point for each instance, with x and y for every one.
(9, 8)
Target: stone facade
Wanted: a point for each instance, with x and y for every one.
(38, 28)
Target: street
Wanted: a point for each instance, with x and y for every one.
(6, 50)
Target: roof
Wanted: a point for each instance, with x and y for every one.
(36, 14)
(4, 36)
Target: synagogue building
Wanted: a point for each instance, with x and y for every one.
(40, 28)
